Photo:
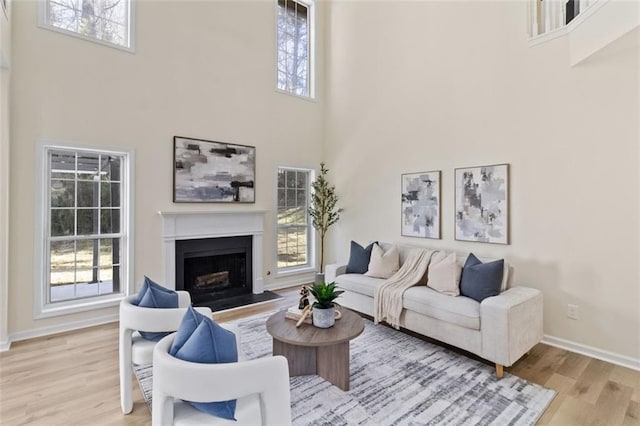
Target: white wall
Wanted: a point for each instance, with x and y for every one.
(418, 86)
(5, 63)
(201, 69)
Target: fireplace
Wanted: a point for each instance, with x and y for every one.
(189, 228)
(214, 269)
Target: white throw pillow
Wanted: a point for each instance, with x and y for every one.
(383, 264)
(444, 274)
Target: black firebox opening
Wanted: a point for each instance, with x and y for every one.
(213, 269)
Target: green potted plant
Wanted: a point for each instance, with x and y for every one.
(323, 211)
(324, 308)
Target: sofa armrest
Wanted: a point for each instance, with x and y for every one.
(333, 270)
(511, 324)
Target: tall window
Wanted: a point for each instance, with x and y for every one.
(107, 21)
(85, 226)
(294, 41)
(294, 226)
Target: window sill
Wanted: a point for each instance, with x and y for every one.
(304, 98)
(75, 306)
(74, 34)
(295, 271)
(575, 23)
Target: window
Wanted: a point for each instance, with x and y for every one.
(294, 47)
(105, 21)
(295, 237)
(84, 238)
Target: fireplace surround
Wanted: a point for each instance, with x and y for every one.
(199, 225)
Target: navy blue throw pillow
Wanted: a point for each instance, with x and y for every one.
(153, 295)
(359, 258)
(481, 280)
(200, 339)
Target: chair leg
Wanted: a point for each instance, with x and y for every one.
(126, 399)
(499, 371)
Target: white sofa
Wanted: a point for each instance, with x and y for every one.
(500, 329)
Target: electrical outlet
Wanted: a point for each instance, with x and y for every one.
(572, 311)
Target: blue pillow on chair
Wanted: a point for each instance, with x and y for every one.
(200, 339)
(481, 280)
(152, 295)
(359, 258)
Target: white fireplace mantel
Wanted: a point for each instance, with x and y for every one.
(188, 225)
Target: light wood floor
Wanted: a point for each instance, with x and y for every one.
(72, 379)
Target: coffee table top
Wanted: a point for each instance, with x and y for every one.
(346, 328)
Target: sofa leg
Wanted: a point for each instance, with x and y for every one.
(499, 371)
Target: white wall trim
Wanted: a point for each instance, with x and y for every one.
(186, 225)
(613, 358)
(291, 282)
(566, 29)
(41, 307)
(5, 345)
(59, 328)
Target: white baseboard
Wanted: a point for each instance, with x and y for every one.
(61, 328)
(4, 346)
(613, 358)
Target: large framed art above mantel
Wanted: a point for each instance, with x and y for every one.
(482, 204)
(213, 172)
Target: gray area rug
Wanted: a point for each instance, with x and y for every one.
(397, 379)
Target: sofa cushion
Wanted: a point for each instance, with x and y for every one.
(383, 264)
(359, 258)
(359, 283)
(462, 311)
(444, 274)
(481, 280)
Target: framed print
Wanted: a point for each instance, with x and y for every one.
(212, 172)
(421, 205)
(482, 204)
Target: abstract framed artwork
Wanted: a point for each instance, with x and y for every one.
(212, 172)
(482, 204)
(421, 204)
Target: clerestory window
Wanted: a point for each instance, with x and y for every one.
(295, 34)
(104, 21)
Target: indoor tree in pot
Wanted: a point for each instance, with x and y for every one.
(323, 211)
(324, 308)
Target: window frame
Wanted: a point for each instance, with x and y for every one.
(311, 6)
(310, 266)
(42, 23)
(42, 308)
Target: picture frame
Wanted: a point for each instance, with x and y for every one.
(482, 204)
(207, 171)
(421, 205)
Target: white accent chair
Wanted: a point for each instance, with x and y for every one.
(261, 387)
(134, 349)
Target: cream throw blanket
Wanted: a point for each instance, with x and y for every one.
(388, 298)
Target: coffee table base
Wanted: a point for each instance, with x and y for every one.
(330, 362)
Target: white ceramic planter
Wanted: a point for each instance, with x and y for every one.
(324, 318)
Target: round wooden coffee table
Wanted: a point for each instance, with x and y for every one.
(312, 350)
